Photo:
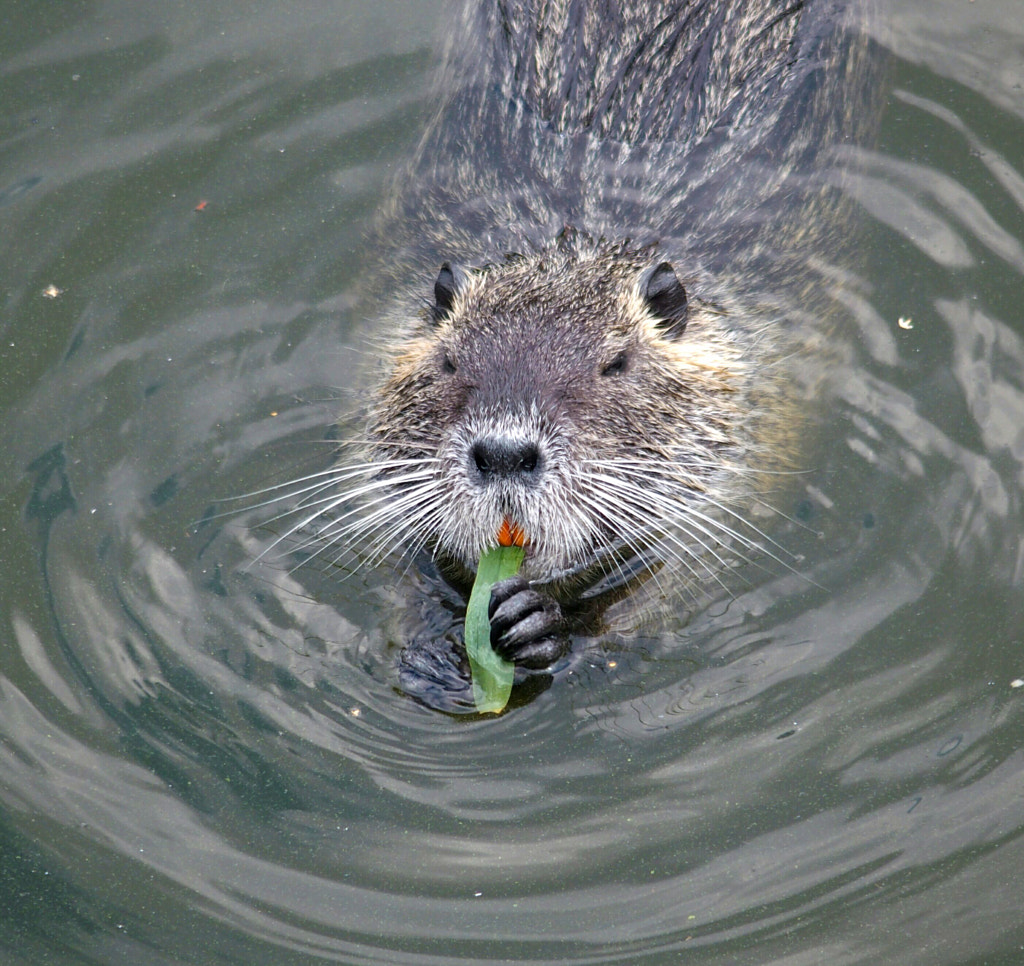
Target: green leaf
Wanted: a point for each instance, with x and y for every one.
(492, 676)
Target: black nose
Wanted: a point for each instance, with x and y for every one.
(495, 458)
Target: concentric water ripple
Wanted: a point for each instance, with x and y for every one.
(204, 756)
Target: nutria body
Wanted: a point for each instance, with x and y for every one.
(616, 194)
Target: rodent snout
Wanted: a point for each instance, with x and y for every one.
(497, 458)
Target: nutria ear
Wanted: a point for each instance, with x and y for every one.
(444, 293)
(666, 299)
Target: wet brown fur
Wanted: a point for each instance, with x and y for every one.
(686, 130)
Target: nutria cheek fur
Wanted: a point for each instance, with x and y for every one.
(596, 385)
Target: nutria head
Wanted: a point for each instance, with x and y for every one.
(578, 394)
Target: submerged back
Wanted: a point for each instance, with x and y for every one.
(692, 123)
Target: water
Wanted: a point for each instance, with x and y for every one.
(204, 762)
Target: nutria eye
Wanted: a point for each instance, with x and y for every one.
(447, 366)
(617, 365)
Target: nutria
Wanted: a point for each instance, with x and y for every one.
(608, 202)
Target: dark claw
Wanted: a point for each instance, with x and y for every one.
(535, 654)
(508, 618)
(504, 589)
(526, 625)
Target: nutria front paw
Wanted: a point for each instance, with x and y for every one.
(526, 625)
(435, 674)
